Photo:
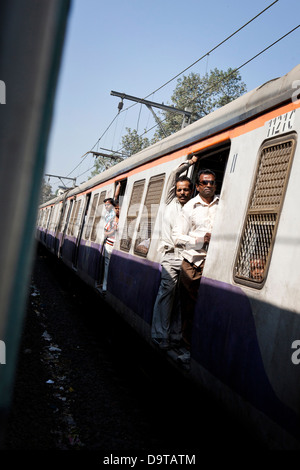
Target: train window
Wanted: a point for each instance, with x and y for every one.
(216, 160)
(54, 218)
(91, 216)
(49, 218)
(77, 217)
(45, 218)
(71, 222)
(67, 206)
(74, 217)
(132, 214)
(41, 219)
(121, 191)
(149, 213)
(264, 209)
(98, 213)
(62, 216)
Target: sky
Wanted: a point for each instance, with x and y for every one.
(135, 47)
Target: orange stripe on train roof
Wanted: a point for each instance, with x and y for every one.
(203, 144)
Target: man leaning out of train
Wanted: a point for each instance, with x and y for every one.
(192, 232)
(166, 322)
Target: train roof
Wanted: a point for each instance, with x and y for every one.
(263, 98)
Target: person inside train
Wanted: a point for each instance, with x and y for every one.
(117, 191)
(117, 212)
(110, 230)
(170, 193)
(143, 246)
(257, 267)
(166, 321)
(193, 233)
(109, 210)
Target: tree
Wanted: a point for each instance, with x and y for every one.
(201, 95)
(46, 192)
(103, 163)
(133, 143)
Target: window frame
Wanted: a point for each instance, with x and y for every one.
(125, 245)
(153, 180)
(90, 220)
(97, 215)
(257, 220)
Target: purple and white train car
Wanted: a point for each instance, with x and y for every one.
(246, 332)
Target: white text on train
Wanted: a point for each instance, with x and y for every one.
(280, 124)
(295, 356)
(2, 353)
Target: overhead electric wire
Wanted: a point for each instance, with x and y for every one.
(221, 80)
(180, 73)
(86, 154)
(209, 52)
(207, 89)
(229, 75)
(106, 130)
(245, 63)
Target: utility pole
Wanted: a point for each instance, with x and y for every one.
(117, 156)
(150, 104)
(61, 179)
(114, 154)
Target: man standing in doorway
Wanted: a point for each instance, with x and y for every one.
(109, 236)
(193, 231)
(166, 322)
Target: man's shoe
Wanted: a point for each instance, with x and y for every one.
(164, 344)
(184, 358)
(156, 341)
(175, 343)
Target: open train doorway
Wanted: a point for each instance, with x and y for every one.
(215, 159)
(119, 192)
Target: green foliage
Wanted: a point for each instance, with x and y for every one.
(201, 96)
(133, 143)
(46, 192)
(103, 163)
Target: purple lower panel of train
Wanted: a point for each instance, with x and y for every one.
(225, 343)
(89, 260)
(134, 282)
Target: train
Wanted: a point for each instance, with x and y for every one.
(26, 111)
(245, 347)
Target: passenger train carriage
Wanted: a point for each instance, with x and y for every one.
(246, 331)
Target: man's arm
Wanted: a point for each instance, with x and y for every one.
(170, 191)
(117, 191)
(181, 230)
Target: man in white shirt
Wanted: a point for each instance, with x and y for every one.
(183, 167)
(193, 232)
(166, 322)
